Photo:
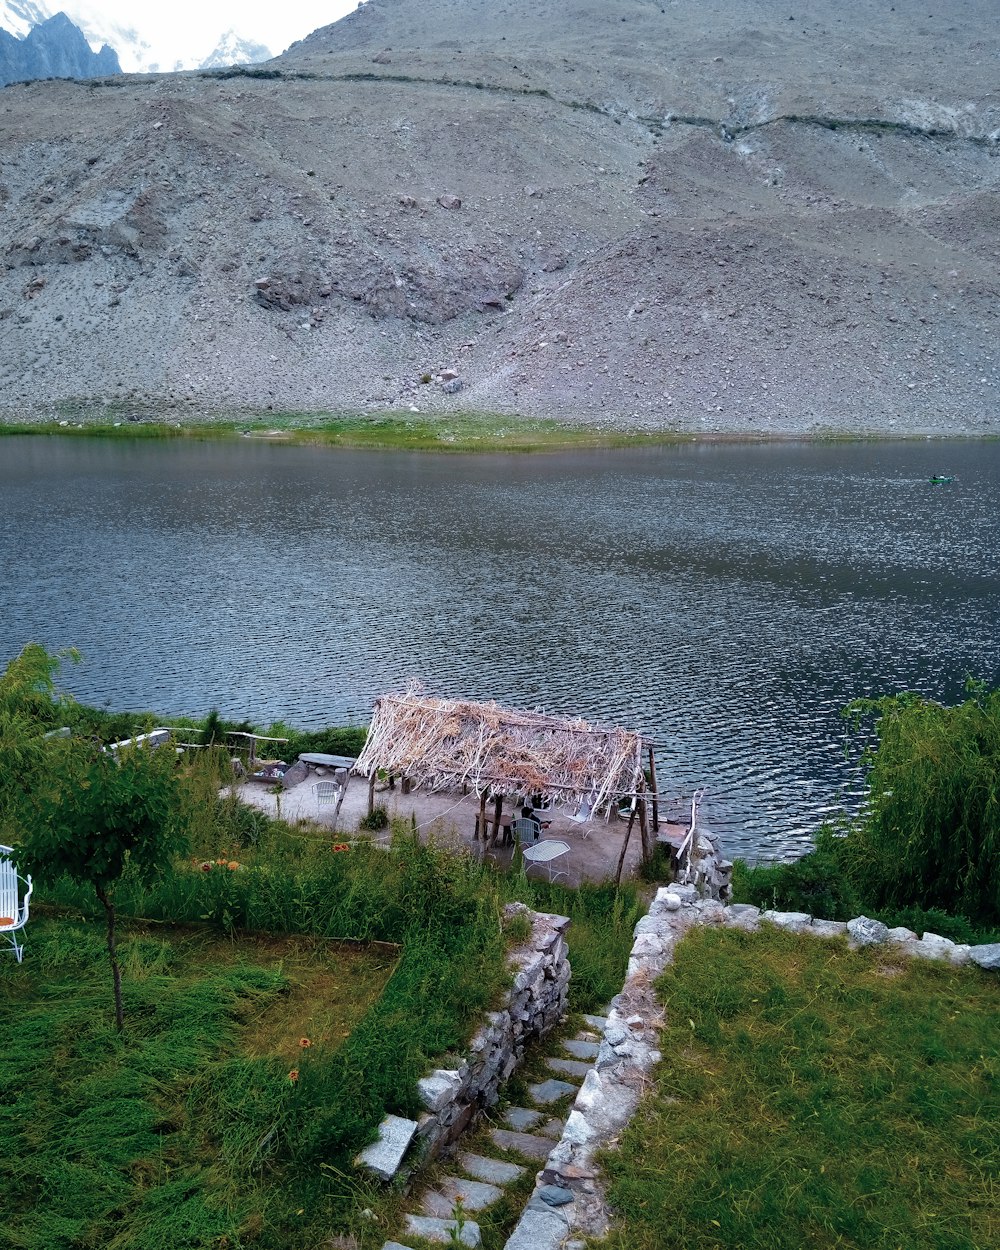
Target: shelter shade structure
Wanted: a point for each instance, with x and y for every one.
(458, 745)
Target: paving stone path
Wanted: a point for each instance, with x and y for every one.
(478, 1181)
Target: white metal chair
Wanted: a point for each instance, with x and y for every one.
(582, 815)
(15, 893)
(329, 794)
(526, 830)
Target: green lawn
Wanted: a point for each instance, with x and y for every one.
(163, 1137)
(397, 430)
(813, 1096)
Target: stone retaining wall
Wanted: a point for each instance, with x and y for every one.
(454, 1097)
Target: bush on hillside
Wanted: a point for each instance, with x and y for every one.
(816, 883)
(930, 833)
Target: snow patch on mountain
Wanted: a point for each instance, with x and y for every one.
(233, 49)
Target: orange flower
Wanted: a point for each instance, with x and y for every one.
(233, 866)
(293, 1076)
(304, 1042)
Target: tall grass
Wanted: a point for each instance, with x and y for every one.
(268, 1134)
(168, 1135)
(814, 1096)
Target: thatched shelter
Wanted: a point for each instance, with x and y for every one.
(457, 744)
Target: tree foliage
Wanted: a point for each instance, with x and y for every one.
(79, 810)
(30, 707)
(930, 833)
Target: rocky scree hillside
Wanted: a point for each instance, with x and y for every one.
(701, 216)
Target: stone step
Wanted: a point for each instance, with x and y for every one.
(538, 1230)
(550, 1091)
(552, 1128)
(569, 1067)
(395, 1245)
(475, 1196)
(432, 1229)
(494, 1171)
(581, 1049)
(524, 1143)
(597, 1023)
(522, 1119)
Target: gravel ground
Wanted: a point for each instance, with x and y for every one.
(752, 218)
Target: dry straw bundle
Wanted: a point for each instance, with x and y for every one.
(445, 744)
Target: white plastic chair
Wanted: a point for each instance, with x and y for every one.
(14, 900)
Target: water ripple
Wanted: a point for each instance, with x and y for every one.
(727, 600)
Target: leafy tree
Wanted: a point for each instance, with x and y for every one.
(29, 709)
(103, 813)
(930, 833)
(81, 811)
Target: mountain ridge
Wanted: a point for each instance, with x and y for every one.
(55, 48)
(644, 216)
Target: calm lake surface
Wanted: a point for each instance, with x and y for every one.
(727, 600)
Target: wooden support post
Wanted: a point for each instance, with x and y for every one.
(652, 786)
(647, 841)
(371, 793)
(481, 822)
(621, 857)
(497, 812)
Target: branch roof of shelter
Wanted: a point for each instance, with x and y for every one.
(445, 744)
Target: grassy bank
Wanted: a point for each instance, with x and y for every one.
(186, 1131)
(166, 1136)
(814, 1096)
(390, 431)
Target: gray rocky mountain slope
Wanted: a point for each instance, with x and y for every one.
(700, 215)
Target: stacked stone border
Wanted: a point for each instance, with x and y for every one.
(568, 1199)
(454, 1098)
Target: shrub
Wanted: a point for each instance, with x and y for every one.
(930, 834)
(816, 883)
(377, 819)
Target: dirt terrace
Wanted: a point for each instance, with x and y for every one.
(450, 819)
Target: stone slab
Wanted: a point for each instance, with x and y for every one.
(581, 1049)
(494, 1171)
(521, 1119)
(569, 1067)
(432, 1229)
(395, 1245)
(987, 955)
(552, 1128)
(475, 1196)
(538, 1230)
(596, 1022)
(550, 1091)
(384, 1155)
(524, 1143)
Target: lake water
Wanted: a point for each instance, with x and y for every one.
(726, 599)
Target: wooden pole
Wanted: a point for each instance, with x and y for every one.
(647, 841)
(371, 794)
(652, 786)
(481, 824)
(497, 811)
(621, 857)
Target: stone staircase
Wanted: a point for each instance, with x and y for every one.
(447, 1213)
